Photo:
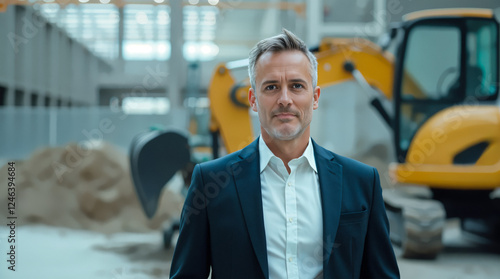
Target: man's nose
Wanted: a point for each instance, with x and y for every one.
(284, 98)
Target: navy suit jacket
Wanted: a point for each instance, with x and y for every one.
(222, 223)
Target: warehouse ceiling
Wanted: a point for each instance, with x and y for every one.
(225, 28)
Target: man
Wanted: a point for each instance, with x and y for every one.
(284, 207)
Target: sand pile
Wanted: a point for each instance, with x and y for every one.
(83, 189)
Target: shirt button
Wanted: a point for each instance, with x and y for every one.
(290, 259)
(289, 184)
(290, 219)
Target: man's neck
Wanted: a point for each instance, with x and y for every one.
(287, 150)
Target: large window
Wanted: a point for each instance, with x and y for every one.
(146, 32)
(200, 24)
(432, 62)
(146, 29)
(145, 105)
(94, 25)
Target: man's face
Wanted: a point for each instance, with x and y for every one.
(284, 97)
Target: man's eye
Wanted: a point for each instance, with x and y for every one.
(271, 87)
(297, 86)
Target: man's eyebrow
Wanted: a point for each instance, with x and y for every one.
(270, 82)
(298, 80)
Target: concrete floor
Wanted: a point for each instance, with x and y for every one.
(48, 252)
(460, 259)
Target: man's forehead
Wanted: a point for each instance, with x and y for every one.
(293, 63)
(283, 57)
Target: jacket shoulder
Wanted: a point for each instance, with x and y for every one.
(247, 153)
(221, 162)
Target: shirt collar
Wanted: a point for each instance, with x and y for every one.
(266, 154)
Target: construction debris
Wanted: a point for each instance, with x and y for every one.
(84, 188)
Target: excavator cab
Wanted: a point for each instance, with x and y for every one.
(443, 62)
(446, 127)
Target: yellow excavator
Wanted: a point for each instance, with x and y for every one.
(442, 87)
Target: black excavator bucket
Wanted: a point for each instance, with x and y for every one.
(155, 157)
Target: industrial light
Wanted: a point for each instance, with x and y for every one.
(114, 18)
(193, 2)
(201, 51)
(163, 18)
(213, 2)
(141, 18)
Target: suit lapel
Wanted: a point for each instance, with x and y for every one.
(247, 178)
(330, 183)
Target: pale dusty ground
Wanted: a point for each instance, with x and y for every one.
(49, 252)
(460, 259)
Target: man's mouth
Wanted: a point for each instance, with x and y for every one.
(285, 115)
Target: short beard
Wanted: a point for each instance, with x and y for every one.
(275, 133)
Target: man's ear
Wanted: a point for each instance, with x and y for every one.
(252, 99)
(316, 93)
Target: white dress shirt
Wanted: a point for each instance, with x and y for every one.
(292, 215)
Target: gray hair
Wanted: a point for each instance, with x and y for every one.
(282, 42)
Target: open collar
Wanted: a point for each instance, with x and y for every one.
(266, 154)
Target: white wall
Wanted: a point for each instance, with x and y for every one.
(39, 58)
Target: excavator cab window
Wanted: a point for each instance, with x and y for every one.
(482, 60)
(444, 62)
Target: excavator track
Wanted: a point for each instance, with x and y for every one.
(416, 224)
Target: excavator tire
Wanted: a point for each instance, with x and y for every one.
(416, 225)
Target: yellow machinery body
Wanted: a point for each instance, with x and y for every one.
(430, 158)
